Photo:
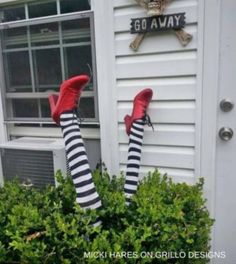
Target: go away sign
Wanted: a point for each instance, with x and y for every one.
(157, 23)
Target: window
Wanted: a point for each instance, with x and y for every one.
(42, 46)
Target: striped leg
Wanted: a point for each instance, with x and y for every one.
(134, 158)
(87, 196)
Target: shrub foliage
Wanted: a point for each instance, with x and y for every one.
(47, 226)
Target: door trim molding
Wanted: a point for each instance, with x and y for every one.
(199, 88)
(210, 85)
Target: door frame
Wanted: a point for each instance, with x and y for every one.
(210, 88)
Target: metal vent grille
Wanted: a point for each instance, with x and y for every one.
(29, 166)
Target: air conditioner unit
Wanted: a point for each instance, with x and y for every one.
(33, 160)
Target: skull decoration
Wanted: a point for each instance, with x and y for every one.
(155, 7)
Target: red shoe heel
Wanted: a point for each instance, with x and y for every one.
(140, 105)
(70, 92)
(52, 102)
(127, 120)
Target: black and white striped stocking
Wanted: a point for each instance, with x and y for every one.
(87, 196)
(134, 158)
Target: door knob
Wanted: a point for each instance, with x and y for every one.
(226, 133)
(226, 105)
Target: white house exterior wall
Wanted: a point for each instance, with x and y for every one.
(162, 64)
(171, 70)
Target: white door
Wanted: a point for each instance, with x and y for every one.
(225, 225)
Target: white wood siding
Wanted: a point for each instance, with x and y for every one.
(171, 71)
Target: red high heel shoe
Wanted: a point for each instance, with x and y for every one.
(140, 105)
(70, 92)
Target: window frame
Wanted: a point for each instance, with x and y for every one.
(42, 95)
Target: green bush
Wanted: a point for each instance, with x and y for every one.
(47, 226)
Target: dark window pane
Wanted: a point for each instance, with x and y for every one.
(68, 6)
(47, 68)
(86, 108)
(44, 34)
(41, 10)
(49, 125)
(76, 31)
(15, 38)
(78, 61)
(25, 108)
(13, 14)
(26, 125)
(18, 71)
(45, 108)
